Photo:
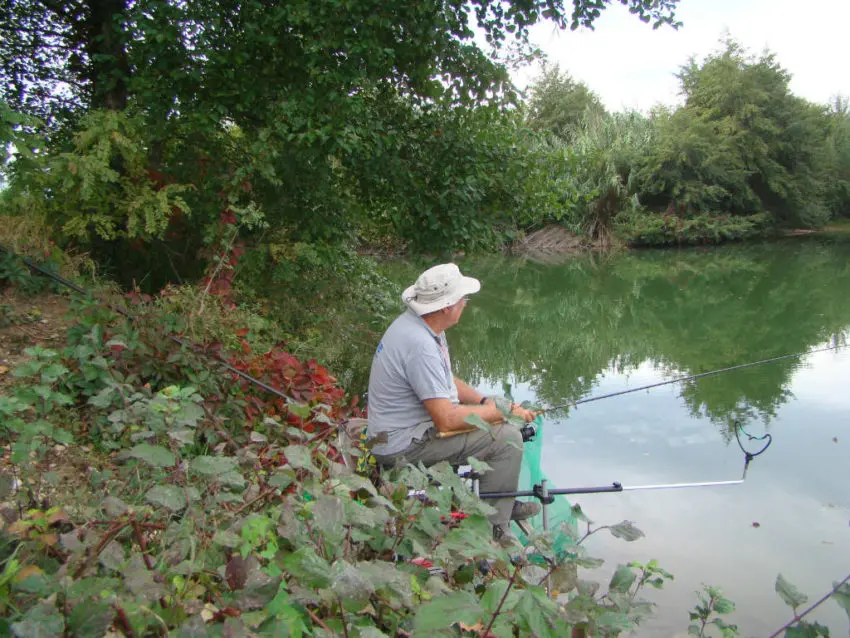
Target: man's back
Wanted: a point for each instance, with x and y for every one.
(411, 364)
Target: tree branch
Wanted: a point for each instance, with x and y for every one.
(496, 613)
(318, 620)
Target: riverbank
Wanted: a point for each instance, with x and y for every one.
(147, 490)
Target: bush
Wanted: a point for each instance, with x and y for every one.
(671, 230)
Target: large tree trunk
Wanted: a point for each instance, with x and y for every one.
(105, 44)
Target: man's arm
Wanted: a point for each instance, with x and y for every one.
(448, 417)
(466, 393)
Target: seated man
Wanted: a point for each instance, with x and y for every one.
(414, 396)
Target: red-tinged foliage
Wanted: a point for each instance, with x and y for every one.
(306, 382)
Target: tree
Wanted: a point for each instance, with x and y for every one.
(560, 105)
(775, 140)
(254, 105)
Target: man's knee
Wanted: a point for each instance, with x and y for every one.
(510, 438)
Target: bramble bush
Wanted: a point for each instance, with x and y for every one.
(145, 506)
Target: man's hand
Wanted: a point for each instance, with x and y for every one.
(526, 415)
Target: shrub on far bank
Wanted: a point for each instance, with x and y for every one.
(672, 230)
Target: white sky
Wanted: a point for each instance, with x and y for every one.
(630, 65)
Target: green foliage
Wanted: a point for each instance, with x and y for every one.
(672, 230)
(713, 605)
(838, 156)
(693, 165)
(102, 188)
(151, 109)
(560, 105)
(198, 524)
(742, 142)
(26, 411)
(599, 182)
(709, 612)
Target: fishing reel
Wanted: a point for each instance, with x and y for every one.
(528, 432)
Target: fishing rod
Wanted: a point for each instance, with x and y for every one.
(616, 486)
(573, 404)
(547, 496)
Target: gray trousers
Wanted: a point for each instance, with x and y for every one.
(501, 449)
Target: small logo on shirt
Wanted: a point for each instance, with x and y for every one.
(380, 347)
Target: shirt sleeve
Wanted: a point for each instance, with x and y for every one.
(426, 373)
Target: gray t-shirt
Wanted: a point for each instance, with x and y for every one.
(411, 364)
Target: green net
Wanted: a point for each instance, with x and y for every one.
(531, 474)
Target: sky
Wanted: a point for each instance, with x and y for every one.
(631, 66)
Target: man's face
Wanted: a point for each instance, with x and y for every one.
(455, 311)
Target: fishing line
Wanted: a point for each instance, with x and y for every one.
(688, 378)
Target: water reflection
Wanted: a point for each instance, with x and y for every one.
(553, 334)
(562, 328)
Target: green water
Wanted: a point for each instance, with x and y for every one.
(557, 333)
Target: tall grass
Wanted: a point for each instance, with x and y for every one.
(603, 153)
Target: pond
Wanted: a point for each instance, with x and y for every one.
(592, 325)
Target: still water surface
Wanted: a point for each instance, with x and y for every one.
(556, 333)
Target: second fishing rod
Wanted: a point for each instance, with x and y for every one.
(692, 377)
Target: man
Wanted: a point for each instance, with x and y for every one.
(415, 400)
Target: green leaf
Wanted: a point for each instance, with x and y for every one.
(478, 422)
(226, 538)
(614, 622)
(535, 612)
(183, 437)
(622, 580)
(42, 621)
(493, 596)
(478, 466)
(232, 479)
(112, 556)
(350, 582)
(103, 399)
(302, 411)
(792, 596)
(309, 568)
(139, 580)
(152, 454)
(564, 578)
(626, 530)
(299, 457)
(212, 465)
(329, 514)
(842, 596)
(807, 630)
(52, 373)
(6, 484)
(357, 483)
(168, 496)
(386, 577)
(444, 611)
(724, 606)
(282, 480)
(578, 514)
